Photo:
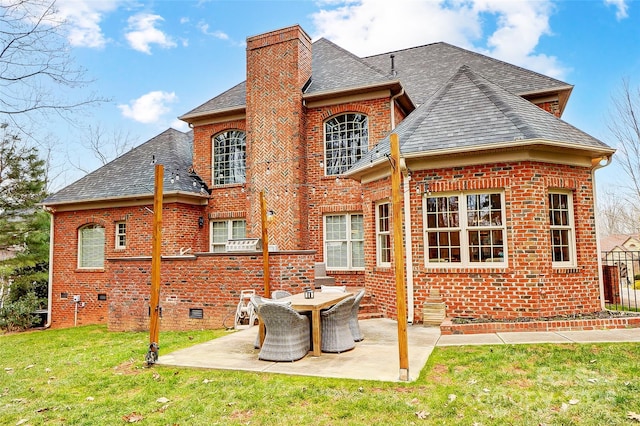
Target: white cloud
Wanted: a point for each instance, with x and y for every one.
(368, 27)
(142, 33)
(621, 7)
(84, 19)
(204, 27)
(148, 108)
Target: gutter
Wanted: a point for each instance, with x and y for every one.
(407, 248)
(597, 165)
(50, 286)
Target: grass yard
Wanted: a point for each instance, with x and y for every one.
(89, 376)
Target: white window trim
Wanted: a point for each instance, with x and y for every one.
(573, 262)
(380, 233)
(119, 246)
(463, 228)
(229, 232)
(80, 247)
(349, 241)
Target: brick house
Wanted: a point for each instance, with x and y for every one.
(498, 200)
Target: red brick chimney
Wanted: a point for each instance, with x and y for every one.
(278, 67)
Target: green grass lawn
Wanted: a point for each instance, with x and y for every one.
(89, 376)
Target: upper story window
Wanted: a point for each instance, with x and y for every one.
(383, 234)
(91, 246)
(465, 229)
(121, 235)
(344, 241)
(563, 243)
(229, 153)
(346, 140)
(224, 230)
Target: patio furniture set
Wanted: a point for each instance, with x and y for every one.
(288, 333)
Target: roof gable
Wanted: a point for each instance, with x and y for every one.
(132, 174)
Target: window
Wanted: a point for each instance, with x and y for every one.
(563, 246)
(346, 140)
(121, 235)
(91, 247)
(229, 149)
(344, 241)
(383, 235)
(224, 230)
(471, 232)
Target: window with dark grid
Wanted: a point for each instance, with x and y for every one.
(229, 152)
(346, 140)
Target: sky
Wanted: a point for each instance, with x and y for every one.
(157, 60)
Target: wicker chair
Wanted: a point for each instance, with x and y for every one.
(279, 294)
(353, 320)
(336, 334)
(288, 336)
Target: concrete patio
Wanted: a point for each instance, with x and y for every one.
(375, 358)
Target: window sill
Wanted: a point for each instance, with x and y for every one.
(89, 269)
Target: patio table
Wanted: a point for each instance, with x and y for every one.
(320, 301)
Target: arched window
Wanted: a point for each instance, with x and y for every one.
(91, 246)
(229, 153)
(346, 140)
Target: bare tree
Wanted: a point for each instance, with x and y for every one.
(617, 214)
(35, 61)
(624, 124)
(104, 145)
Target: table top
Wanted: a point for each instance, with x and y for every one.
(320, 300)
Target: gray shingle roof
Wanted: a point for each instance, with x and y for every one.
(132, 174)
(335, 69)
(235, 97)
(421, 70)
(424, 69)
(470, 111)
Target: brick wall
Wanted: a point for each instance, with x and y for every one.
(211, 282)
(529, 286)
(180, 231)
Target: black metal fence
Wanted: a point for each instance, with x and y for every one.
(621, 280)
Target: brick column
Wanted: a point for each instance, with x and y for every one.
(278, 66)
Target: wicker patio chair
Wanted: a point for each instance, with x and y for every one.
(288, 336)
(353, 320)
(279, 294)
(336, 334)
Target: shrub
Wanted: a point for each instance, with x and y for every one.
(19, 315)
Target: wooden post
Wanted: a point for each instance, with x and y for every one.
(265, 245)
(156, 253)
(401, 297)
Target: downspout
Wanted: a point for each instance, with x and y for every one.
(393, 108)
(595, 166)
(407, 247)
(407, 222)
(50, 286)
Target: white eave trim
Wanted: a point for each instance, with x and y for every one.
(128, 200)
